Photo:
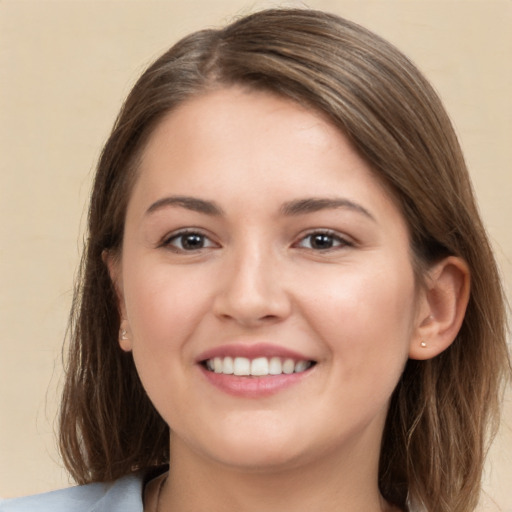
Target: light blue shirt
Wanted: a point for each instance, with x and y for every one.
(123, 495)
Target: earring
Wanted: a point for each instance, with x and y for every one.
(423, 344)
(124, 335)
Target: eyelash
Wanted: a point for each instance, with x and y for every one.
(332, 237)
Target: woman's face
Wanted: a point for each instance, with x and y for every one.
(258, 241)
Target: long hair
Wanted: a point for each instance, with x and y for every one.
(441, 413)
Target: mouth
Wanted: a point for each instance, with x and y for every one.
(254, 370)
(256, 367)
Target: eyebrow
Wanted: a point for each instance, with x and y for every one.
(314, 204)
(291, 208)
(190, 203)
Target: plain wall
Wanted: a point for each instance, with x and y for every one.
(65, 67)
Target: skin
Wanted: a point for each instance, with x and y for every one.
(257, 277)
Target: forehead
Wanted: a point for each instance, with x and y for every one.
(252, 141)
(238, 114)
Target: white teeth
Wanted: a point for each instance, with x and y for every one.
(217, 365)
(275, 367)
(301, 366)
(228, 367)
(288, 366)
(242, 366)
(222, 365)
(259, 367)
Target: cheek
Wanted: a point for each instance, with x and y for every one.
(365, 318)
(163, 308)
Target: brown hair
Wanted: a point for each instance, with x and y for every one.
(437, 428)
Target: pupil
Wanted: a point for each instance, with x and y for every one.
(192, 241)
(322, 241)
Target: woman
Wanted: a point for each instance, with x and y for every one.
(287, 294)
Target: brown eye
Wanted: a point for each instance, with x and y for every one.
(321, 241)
(192, 241)
(189, 241)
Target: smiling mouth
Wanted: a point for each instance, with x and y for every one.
(257, 367)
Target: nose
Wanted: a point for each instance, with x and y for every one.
(253, 290)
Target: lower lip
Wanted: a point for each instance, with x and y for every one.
(253, 387)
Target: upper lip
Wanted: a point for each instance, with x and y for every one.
(251, 351)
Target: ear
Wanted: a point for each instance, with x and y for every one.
(442, 306)
(113, 264)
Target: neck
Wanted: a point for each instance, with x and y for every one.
(331, 483)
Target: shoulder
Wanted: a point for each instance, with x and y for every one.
(123, 495)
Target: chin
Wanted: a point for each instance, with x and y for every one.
(255, 449)
(258, 458)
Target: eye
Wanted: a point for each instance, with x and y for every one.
(322, 241)
(187, 241)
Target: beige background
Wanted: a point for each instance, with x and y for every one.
(65, 67)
